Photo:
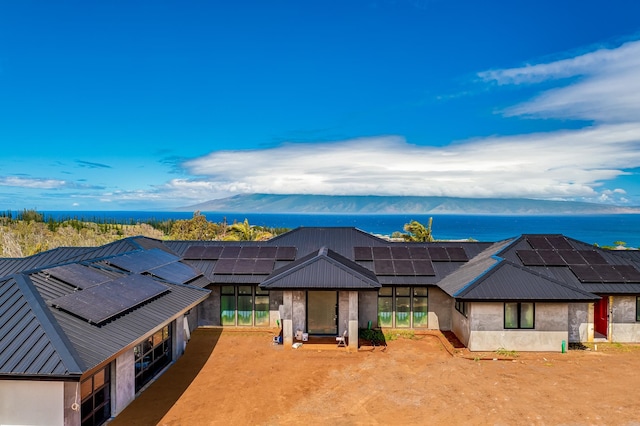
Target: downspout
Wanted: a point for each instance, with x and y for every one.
(610, 321)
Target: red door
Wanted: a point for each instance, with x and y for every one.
(600, 312)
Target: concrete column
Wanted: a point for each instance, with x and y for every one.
(353, 320)
(179, 338)
(287, 318)
(590, 323)
(71, 397)
(123, 383)
(610, 321)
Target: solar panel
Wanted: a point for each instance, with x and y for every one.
(629, 273)
(249, 252)
(530, 257)
(572, 257)
(175, 272)
(457, 254)
(194, 252)
(559, 243)
(286, 253)
(143, 260)
(263, 266)
(212, 253)
(592, 257)
(362, 253)
(224, 266)
(383, 267)
(438, 254)
(551, 258)
(230, 252)
(419, 253)
(423, 267)
(403, 267)
(608, 273)
(99, 303)
(400, 252)
(539, 243)
(78, 276)
(267, 252)
(244, 266)
(585, 273)
(381, 253)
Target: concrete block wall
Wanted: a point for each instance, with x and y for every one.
(624, 327)
(367, 308)
(580, 322)
(439, 306)
(123, 382)
(488, 332)
(209, 310)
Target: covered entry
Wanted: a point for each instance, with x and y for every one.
(322, 312)
(601, 317)
(320, 295)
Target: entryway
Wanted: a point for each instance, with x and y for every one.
(601, 317)
(322, 312)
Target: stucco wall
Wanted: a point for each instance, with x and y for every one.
(209, 310)
(123, 384)
(624, 326)
(367, 309)
(440, 304)
(299, 311)
(343, 311)
(461, 324)
(488, 333)
(580, 322)
(31, 402)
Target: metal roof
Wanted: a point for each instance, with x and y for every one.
(324, 269)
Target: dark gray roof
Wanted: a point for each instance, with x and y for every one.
(324, 269)
(31, 344)
(341, 240)
(507, 281)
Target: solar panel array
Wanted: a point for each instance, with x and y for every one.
(158, 263)
(240, 252)
(102, 302)
(589, 266)
(400, 260)
(77, 275)
(399, 252)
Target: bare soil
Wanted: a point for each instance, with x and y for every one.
(230, 377)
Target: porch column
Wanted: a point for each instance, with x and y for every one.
(353, 320)
(590, 323)
(287, 318)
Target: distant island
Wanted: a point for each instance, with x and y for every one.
(349, 204)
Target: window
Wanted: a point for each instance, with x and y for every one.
(244, 305)
(152, 356)
(385, 307)
(403, 307)
(462, 307)
(96, 398)
(637, 308)
(420, 306)
(519, 315)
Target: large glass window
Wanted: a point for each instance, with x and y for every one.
(262, 307)
(385, 307)
(96, 398)
(228, 305)
(420, 306)
(403, 307)
(637, 308)
(244, 305)
(152, 355)
(462, 307)
(519, 315)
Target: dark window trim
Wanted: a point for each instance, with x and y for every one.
(638, 308)
(256, 291)
(462, 307)
(393, 296)
(519, 309)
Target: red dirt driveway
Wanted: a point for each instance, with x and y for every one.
(241, 378)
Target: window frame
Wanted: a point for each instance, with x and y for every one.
(256, 294)
(519, 316)
(462, 307)
(96, 405)
(637, 308)
(389, 294)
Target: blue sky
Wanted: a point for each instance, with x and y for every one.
(125, 105)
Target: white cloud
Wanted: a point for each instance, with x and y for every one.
(605, 86)
(34, 183)
(569, 164)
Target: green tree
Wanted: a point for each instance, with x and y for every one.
(243, 231)
(196, 228)
(417, 232)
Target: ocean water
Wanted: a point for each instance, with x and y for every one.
(592, 229)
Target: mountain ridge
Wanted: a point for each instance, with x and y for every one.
(374, 204)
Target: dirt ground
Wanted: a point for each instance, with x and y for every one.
(241, 378)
